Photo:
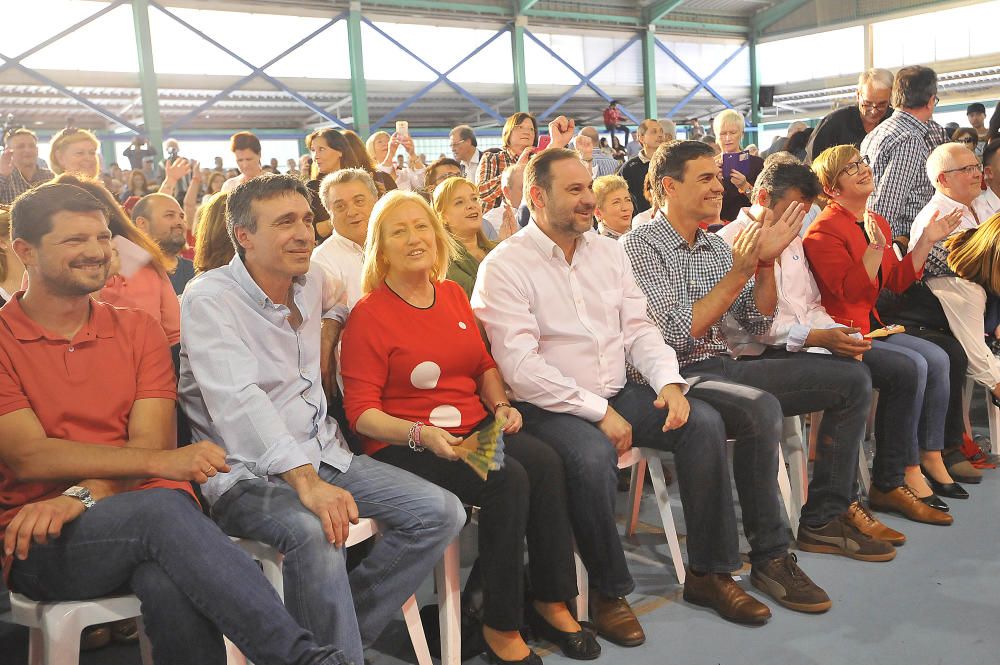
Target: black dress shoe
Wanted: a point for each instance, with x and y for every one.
(951, 490)
(934, 502)
(581, 645)
(531, 659)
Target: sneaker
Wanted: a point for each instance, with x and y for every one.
(861, 517)
(783, 580)
(840, 536)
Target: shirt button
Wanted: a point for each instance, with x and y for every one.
(71, 349)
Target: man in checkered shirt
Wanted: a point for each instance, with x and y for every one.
(899, 147)
(692, 280)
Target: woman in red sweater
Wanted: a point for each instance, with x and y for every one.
(417, 380)
(852, 261)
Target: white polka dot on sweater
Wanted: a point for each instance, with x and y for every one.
(425, 375)
(461, 324)
(445, 416)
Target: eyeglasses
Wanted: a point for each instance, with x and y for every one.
(869, 106)
(967, 139)
(853, 168)
(970, 170)
(457, 143)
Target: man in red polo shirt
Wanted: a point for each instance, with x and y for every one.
(94, 496)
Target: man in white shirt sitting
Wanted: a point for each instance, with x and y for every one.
(956, 175)
(987, 204)
(564, 315)
(495, 219)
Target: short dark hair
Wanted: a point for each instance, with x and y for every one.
(515, 120)
(244, 141)
(670, 159)
(435, 165)
(143, 207)
(465, 133)
(239, 204)
(780, 177)
(539, 170)
(991, 149)
(975, 108)
(914, 87)
(31, 215)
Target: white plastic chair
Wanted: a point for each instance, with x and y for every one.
(446, 577)
(54, 627)
(992, 411)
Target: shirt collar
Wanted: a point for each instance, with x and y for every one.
(241, 276)
(671, 238)
(346, 242)
(942, 199)
(25, 329)
(908, 118)
(545, 244)
(603, 230)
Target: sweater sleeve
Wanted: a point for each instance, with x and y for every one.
(364, 361)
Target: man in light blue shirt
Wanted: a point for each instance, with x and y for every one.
(250, 380)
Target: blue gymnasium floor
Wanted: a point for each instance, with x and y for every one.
(937, 602)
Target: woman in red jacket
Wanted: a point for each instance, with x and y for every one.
(852, 261)
(417, 380)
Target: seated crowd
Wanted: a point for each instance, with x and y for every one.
(317, 347)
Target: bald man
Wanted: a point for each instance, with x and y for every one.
(161, 217)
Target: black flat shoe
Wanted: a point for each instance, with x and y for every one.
(531, 659)
(581, 645)
(951, 490)
(934, 502)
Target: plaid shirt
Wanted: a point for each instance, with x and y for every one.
(14, 185)
(675, 275)
(898, 149)
(491, 166)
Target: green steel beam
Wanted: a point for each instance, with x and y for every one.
(359, 86)
(517, 57)
(109, 155)
(649, 71)
(525, 5)
(153, 123)
(754, 90)
(763, 20)
(658, 10)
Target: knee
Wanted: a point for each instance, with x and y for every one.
(769, 420)
(705, 425)
(858, 382)
(154, 587)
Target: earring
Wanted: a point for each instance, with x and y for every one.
(836, 192)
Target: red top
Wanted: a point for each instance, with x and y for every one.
(150, 291)
(80, 390)
(835, 245)
(415, 364)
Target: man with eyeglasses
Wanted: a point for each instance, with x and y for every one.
(956, 174)
(463, 144)
(987, 203)
(898, 150)
(851, 124)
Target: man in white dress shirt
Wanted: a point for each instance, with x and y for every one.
(956, 175)
(987, 204)
(466, 150)
(564, 317)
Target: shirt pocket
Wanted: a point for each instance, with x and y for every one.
(610, 303)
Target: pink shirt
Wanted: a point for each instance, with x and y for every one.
(148, 291)
(800, 307)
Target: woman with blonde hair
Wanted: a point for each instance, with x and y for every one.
(456, 202)
(414, 391)
(382, 148)
(213, 247)
(74, 151)
(739, 172)
(850, 254)
(614, 205)
(11, 268)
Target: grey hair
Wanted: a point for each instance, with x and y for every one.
(342, 177)
(669, 128)
(509, 172)
(464, 132)
(882, 78)
(941, 159)
(239, 204)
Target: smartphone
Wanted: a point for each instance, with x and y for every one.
(543, 143)
(402, 128)
(735, 161)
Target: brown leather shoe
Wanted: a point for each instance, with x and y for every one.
(721, 593)
(95, 637)
(615, 621)
(863, 520)
(902, 500)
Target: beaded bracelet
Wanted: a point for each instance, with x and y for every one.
(413, 438)
(499, 404)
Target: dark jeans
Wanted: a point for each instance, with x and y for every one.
(911, 376)
(958, 362)
(527, 497)
(591, 464)
(753, 397)
(193, 582)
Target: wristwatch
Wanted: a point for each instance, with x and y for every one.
(81, 493)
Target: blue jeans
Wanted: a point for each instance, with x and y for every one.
(591, 464)
(912, 377)
(193, 582)
(799, 383)
(417, 521)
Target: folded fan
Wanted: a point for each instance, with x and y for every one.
(483, 450)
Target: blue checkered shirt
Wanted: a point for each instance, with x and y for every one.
(898, 150)
(674, 275)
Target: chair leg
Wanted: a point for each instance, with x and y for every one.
(145, 648)
(635, 496)
(666, 516)
(994, 415)
(415, 627)
(864, 475)
(272, 569)
(786, 493)
(583, 586)
(61, 638)
(970, 385)
(36, 646)
(446, 578)
(798, 466)
(233, 655)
